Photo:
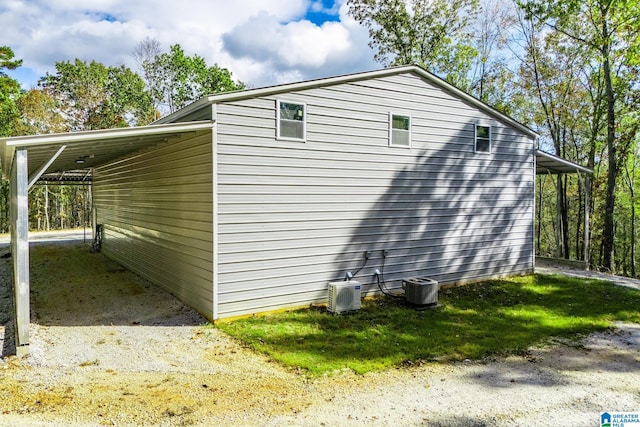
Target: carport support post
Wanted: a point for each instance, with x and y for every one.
(586, 181)
(20, 249)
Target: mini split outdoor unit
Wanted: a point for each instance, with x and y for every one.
(344, 296)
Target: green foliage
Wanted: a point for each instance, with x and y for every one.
(431, 33)
(84, 95)
(553, 74)
(38, 114)
(59, 207)
(607, 35)
(6, 59)
(94, 96)
(496, 317)
(9, 91)
(176, 79)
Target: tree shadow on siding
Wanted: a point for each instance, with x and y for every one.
(449, 215)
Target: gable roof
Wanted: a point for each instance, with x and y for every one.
(348, 78)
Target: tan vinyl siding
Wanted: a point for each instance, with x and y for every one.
(157, 209)
(296, 215)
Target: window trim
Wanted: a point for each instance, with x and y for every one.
(476, 137)
(391, 129)
(304, 121)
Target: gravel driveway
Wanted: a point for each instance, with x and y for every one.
(152, 361)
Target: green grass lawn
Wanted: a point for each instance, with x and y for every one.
(475, 321)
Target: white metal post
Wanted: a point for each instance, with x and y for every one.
(20, 248)
(214, 146)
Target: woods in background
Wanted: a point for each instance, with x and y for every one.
(568, 69)
(84, 95)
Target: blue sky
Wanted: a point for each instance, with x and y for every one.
(262, 42)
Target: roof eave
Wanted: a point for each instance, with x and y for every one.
(563, 163)
(194, 106)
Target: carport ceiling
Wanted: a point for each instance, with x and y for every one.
(85, 150)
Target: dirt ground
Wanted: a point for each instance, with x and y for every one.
(108, 348)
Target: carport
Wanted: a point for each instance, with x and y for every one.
(65, 157)
(549, 164)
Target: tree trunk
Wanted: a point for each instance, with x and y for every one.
(564, 216)
(579, 221)
(631, 182)
(633, 235)
(540, 208)
(47, 222)
(61, 210)
(608, 231)
(559, 219)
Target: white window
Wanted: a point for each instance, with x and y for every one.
(399, 130)
(483, 139)
(292, 120)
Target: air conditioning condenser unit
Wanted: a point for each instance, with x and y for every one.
(344, 296)
(421, 292)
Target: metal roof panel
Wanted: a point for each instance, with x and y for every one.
(88, 149)
(551, 164)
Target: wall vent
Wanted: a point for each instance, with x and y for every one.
(344, 296)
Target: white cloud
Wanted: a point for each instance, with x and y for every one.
(301, 49)
(293, 44)
(260, 41)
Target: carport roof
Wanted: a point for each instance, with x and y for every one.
(70, 156)
(550, 164)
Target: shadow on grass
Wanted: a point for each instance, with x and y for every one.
(495, 317)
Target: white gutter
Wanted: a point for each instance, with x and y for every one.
(92, 135)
